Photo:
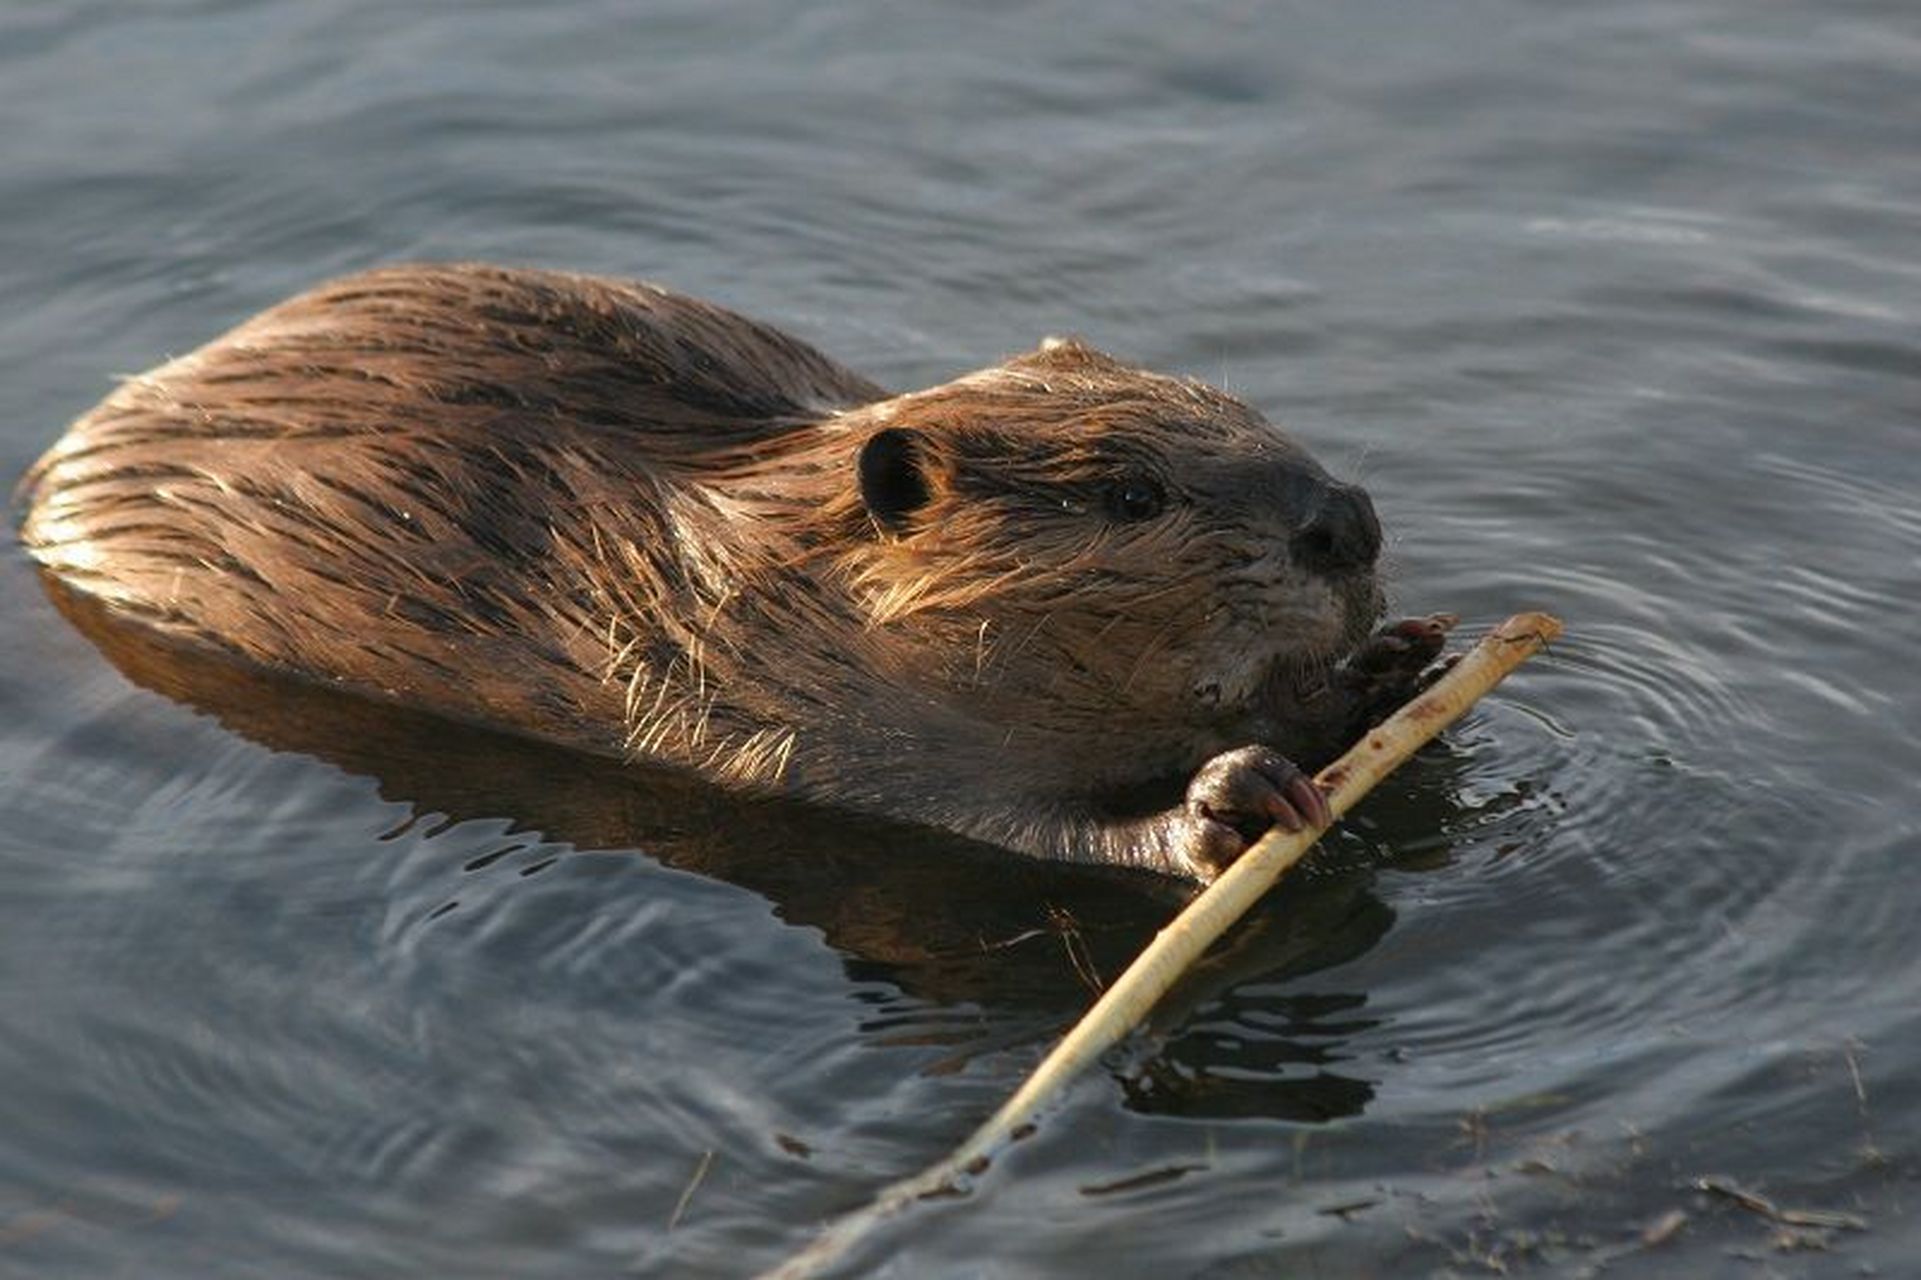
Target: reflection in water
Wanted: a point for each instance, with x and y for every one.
(943, 920)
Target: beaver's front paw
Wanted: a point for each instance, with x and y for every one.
(1235, 798)
(1395, 663)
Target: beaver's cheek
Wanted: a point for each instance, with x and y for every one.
(1232, 684)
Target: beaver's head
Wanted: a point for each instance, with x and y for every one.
(1096, 545)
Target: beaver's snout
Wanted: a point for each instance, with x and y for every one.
(1341, 534)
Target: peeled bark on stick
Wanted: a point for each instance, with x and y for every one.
(1175, 948)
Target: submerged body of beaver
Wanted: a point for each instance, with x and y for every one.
(1061, 605)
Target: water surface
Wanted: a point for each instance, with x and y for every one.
(1612, 306)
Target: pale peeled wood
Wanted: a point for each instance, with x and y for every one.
(1176, 947)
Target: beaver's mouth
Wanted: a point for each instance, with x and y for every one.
(1296, 678)
(1363, 605)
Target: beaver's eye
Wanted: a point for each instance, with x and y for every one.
(1136, 498)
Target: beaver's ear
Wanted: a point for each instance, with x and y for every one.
(893, 477)
(1067, 355)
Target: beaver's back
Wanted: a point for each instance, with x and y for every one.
(366, 482)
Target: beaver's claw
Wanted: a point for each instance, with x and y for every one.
(1396, 662)
(1236, 797)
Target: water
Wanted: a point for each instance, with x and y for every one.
(1612, 306)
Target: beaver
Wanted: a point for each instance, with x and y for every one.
(1061, 605)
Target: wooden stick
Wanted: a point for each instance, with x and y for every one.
(1182, 942)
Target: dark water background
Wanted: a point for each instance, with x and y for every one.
(1612, 305)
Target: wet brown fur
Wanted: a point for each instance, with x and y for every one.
(616, 518)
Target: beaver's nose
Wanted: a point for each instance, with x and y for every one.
(1342, 535)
